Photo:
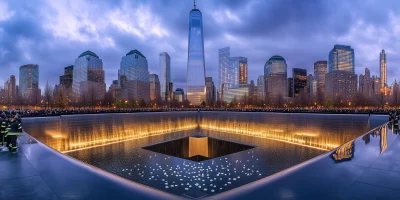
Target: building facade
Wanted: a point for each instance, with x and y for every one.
(366, 84)
(225, 75)
(155, 88)
(340, 85)
(28, 79)
(67, 78)
(290, 87)
(210, 91)
(320, 70)
(299, 80)
(165, 75)
(88, 78)
(383, 70)
(275, 75)
(341, 58)
(261, 88)
(179, 95)
(195, 80)
(134, 76)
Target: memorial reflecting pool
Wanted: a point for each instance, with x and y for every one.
(238, 147)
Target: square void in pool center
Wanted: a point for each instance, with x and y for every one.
(197, 148)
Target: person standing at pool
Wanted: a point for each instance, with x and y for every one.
(13, 130)
(3, 127)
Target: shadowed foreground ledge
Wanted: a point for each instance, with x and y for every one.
(39, 172)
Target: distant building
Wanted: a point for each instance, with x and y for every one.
(67, 78)
(179, 95)
(233, 71)
(320, 70)
(155, 94)
(340, 85)
(28, 79)
(134, 76)
(236, 95)
(290, 87)
(275, 74)
(299, 80)
(261, 88)
(210, 91)
(171, 91)
(383, 70)
(341, 58)
(239, 66)
(225, 74)
(376, 86)
(88, 78)
(115, 89)
(366, 84)
(165, 75)
(195, 80)
(341, 81)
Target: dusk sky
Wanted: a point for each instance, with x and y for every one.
(53, 33)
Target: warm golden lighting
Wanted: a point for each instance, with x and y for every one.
(312, 140)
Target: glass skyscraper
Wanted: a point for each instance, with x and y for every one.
(382, 68)
(320, 70)
(28, 78)
(134, 69)
(165, 75)
(238, 71)
(275, 74)
(299, 80)
(224, 68)
(87, 72)
(275, 65)
(195, 80)
(341, 57)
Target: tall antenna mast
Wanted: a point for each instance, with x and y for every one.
(194, 4)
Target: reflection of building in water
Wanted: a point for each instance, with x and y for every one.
(344, 152)
(383, 140)
(366, 138)
(394, 127)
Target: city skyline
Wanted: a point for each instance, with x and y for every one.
(251, 44)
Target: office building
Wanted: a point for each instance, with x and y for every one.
(320, 70)
(275, 74)
(341, 58)
(299, 80)
(165, 75)
(210, 91)
(383, 70)
(195, 80)
(28, 79)
(340, 85)
(88, 78)
(155, 94)
(134, 76)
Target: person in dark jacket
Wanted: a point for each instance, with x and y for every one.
(3, 127)
(13, 130)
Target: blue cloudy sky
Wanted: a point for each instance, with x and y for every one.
(53, 33)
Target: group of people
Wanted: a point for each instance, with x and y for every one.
(10, 128)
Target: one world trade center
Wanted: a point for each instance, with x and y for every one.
(195, 79)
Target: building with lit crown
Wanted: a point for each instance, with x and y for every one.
(383, 70)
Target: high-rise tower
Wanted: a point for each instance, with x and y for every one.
(382, 68)
(165, 75)
(195, 80)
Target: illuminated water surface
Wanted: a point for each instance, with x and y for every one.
(114, 142)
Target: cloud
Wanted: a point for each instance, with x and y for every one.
(54, 33)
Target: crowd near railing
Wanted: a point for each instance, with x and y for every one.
(59, 112)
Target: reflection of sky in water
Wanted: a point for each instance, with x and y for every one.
(184, 177)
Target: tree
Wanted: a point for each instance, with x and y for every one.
(59, 99)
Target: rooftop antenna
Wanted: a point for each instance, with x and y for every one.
(194, 4)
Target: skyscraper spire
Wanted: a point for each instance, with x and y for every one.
(194, 4)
